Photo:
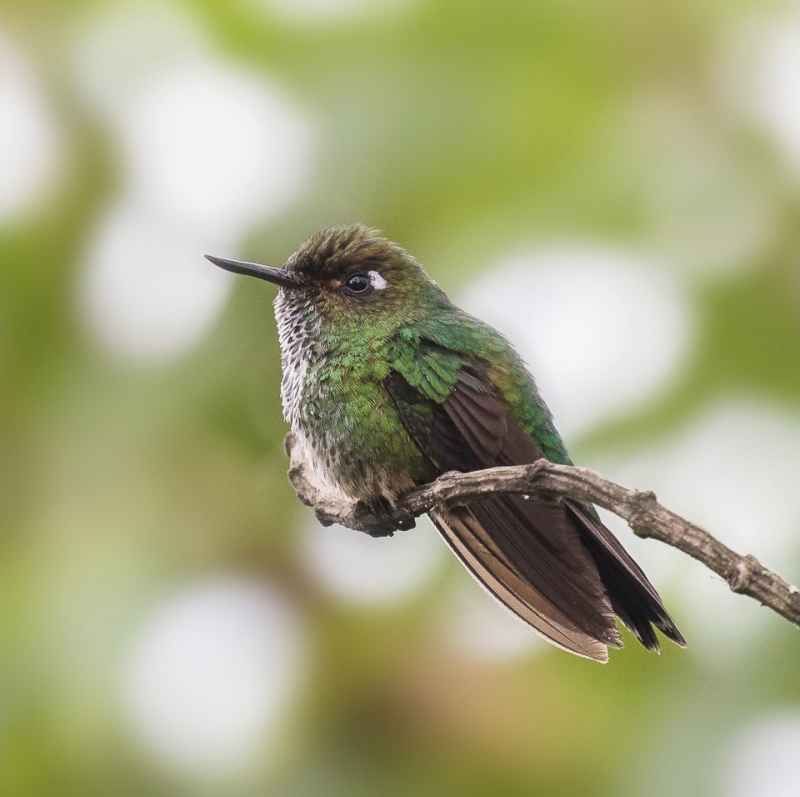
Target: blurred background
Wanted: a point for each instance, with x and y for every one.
(613, 185)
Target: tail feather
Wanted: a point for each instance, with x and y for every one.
(569, 591)
(476, 549)
(633, 597)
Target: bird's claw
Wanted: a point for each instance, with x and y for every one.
(385, 523)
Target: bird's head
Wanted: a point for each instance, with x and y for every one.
(348, 277)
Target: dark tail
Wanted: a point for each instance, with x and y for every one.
(559, 570)
(633, 597)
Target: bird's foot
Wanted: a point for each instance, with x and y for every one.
(385, 521)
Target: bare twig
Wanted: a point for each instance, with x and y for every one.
(545, 480)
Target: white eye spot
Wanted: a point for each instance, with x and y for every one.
(378, 282)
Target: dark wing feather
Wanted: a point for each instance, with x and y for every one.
(552, 564)
(479, 418)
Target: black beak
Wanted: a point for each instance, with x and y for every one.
(276, 275)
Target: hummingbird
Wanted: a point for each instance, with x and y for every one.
(387, 384)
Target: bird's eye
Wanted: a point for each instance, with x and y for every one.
(357, 285)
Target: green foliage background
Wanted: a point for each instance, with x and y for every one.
(462, 129)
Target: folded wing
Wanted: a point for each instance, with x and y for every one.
(552, 564)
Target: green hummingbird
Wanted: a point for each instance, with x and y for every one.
(387, 384)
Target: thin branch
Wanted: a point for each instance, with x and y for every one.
(547, 481)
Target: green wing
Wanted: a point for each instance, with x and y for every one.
(554, 565)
